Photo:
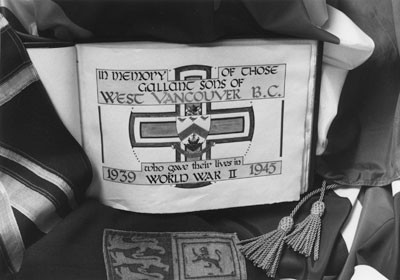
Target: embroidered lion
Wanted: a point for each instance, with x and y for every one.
(204, 256)
(144, 262)
(126, 274)
(140, 244)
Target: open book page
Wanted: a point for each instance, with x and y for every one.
(173, 128)
(57, 70)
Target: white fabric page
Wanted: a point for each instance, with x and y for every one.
(57, 70)
(174, 128)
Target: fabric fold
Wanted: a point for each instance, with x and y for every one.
(44, 172)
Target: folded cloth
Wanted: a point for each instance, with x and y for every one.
(74, 249)
(363, 140)
(43, 171)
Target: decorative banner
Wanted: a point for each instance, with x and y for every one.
(194, 128)
(190, 84)
(193, 172)
(202, 127)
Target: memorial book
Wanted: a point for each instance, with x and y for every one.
(176, 128)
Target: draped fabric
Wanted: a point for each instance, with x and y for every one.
(365, 247)
(363, 140)
(373, 235)
(43, 172)
(74, 249)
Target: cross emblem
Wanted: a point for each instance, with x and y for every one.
(192, 130)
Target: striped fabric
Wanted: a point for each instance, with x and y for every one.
(11, 244)
(43, 171)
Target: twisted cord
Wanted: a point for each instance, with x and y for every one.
(310, 194)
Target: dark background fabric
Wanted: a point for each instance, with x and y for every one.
(73, 250)
(195, 21)
(364, 139)
(377, 239)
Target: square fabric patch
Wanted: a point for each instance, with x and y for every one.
(130, 255)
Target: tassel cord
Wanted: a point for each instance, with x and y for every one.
(265, 250)
(310, 194)
(305, 238)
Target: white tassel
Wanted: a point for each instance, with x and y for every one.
(306, 235)
(265, 251)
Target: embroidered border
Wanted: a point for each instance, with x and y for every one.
(172, 255)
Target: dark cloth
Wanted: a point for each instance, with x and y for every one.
(364, 139)
(73, 250)
(195, 21)
(39, 158)
(29, 124)
(377, 240)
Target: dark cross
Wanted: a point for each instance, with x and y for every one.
(160, 130)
